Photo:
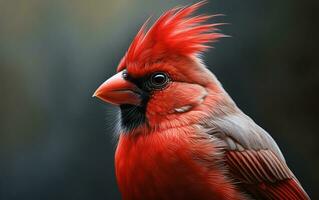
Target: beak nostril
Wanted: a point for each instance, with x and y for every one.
(125, 74)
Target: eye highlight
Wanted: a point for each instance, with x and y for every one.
(158, 80)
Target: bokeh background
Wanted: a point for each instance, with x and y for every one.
(56, 142)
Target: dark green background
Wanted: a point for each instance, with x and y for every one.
(56, 142)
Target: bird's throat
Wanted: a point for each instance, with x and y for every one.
(131, 117)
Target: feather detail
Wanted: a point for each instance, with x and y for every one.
(253, 158)
(176, 32)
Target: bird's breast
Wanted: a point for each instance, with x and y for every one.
(167, 166)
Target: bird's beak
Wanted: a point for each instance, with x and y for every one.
(116, 90)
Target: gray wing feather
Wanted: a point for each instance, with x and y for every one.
(244, 131)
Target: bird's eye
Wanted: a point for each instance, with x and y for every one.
(159, 80)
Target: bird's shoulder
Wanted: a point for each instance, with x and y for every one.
(240, 132)
(253, 158)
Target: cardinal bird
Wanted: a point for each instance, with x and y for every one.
(182, 136)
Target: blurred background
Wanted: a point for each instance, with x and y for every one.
(56, 142)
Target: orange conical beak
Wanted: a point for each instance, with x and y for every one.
(116, 90)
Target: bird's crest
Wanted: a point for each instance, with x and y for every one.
(176, 32)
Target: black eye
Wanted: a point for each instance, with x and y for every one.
(159, 80)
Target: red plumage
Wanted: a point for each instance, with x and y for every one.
(174, 33)
(159, 166)
(182, 136)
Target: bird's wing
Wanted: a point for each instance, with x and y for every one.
(254, 159)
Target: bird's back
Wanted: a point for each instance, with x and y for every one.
(253, 159)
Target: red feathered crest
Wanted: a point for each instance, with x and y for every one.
(176, 32)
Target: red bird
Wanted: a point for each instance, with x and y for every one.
(182, 136)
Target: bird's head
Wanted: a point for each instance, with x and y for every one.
(161, 81)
